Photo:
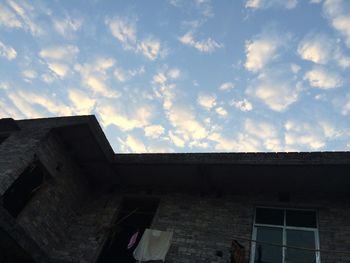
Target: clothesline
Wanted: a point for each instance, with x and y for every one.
(293, 247)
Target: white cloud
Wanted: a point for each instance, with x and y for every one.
(64, 52)
(29, 74)
(176, 140)
(48, 78)
(206, 101)
(221, 111)
(95, 75)
(265, 132)
(316, 48)
(313, 135)
(174, 73)
(82, 103)
(26, 100)
(98, 85)
(338, 13)
(243, 105)
(112, 113)
(315, 1)
(8, 18)
(123, 75)
(320, 49)
(67, 26)
(150, 48)
(264, 4)
(276, 89)
(24, 107)
(240, 143)
(255, 4)
(321, 78)
(59, 69)
(7, 51)
(207, 46)
(124, 30)
(159, 78)
(135, 145)
(346, 107)
(342, 24)
(226, 86)
(186, 124)
(24, 13)
(7, 110)
(154, 131)
(260, 51)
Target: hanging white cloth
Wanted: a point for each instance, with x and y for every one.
(154, 245)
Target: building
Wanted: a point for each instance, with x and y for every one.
(67, 197)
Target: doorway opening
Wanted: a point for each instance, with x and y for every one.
(136, 215)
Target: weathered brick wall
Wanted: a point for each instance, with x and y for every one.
(47, 216)
(203, 225)
(65, 217)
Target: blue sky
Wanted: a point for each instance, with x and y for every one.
(184, 75)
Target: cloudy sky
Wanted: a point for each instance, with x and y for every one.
(184, 75)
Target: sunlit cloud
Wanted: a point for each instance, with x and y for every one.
(19, 14)
(261, 50)
(67, 26)
(206, 101)
(112, 113)
(134, 145)
(321, 78)
(59, 69)
(226, 86)
(7, 52)
(221, 111)
(82, 103)
(243, 105)
(95, 76)
(64, 52)
(312, 135)
(124, 30)
(154, 131)
(264, 4)
(320, 49)
(208, 45)
(124, 75)
(29, 75)
(276, 89)
(338, 13)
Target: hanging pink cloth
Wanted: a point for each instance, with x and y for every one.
(133, 240)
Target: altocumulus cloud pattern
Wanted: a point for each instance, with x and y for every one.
(184, 75)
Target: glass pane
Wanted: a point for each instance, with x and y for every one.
(301, 218)
(299, 238)
(269, 216)
(267, 253)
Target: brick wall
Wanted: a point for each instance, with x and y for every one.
(66, 216)
(204, 225)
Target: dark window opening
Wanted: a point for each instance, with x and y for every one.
(24, 188)
(135, 216)
(269, 216)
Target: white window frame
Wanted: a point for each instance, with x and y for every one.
(284, 228)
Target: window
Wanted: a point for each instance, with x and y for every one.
(23, 189)
(280, 231)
